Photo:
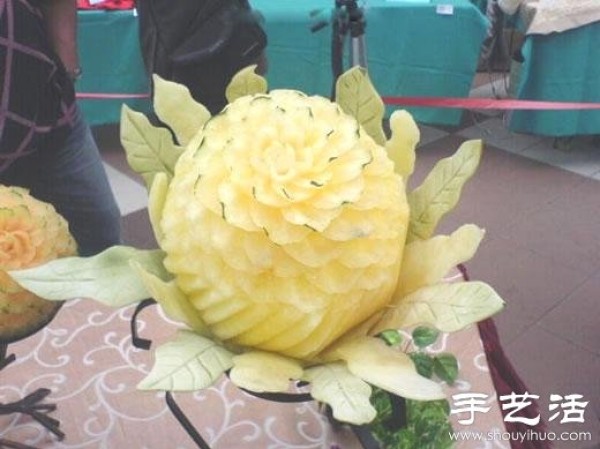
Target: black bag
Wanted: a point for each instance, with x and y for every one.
(494, 55)
(200, 43)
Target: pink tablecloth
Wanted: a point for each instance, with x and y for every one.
(86, 358)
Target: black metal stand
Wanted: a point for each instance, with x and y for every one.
(30, 405)
(136, 340)
(5, 359)
(362, 433)
(185, 422)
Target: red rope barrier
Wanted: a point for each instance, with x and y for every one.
(430, 102)
(111, 96)
(487, 103)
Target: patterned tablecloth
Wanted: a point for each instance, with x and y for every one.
(86, 358)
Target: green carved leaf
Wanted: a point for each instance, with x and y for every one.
(392, 337)
(357, 97)
(427, 424)
(150, 150)
(445, 366)
(106, 277)
(245, 82)
(423, 363)
(347, 395)
(175, 107)
(190, 362)
(424, 336)
(441, 190)
(448, 307)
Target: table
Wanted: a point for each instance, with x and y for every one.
(112, 63)
(86, 358)
(560, 67)
(481, 4)
(412, 50)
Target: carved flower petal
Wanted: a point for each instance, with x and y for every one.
(171, 299)
(264, 371)
(426, 262)
(380, 365)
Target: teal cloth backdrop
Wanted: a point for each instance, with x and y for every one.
(560, 67)
(412, 50)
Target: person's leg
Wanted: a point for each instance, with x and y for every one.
(73, 180)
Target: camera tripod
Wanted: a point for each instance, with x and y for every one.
(348, 22)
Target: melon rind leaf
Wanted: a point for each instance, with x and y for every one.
(347, 395)
(449, 307)
(149, 149)
(175, 106)
(188, 363)
(440, 191)
(106, 277)
(245, 82)
(355, 94)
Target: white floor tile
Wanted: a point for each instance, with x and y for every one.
(130, 195)
(578, 158)
(430, 134)
(494, 132)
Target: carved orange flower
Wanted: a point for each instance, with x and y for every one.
(31, 233)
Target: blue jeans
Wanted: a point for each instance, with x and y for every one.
(72, 179)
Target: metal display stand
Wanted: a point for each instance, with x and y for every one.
(362, 433)
(31, 405)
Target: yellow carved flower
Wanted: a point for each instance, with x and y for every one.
(285, 226)
(31, 233)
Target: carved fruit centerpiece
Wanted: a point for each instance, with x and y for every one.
(288, 243)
